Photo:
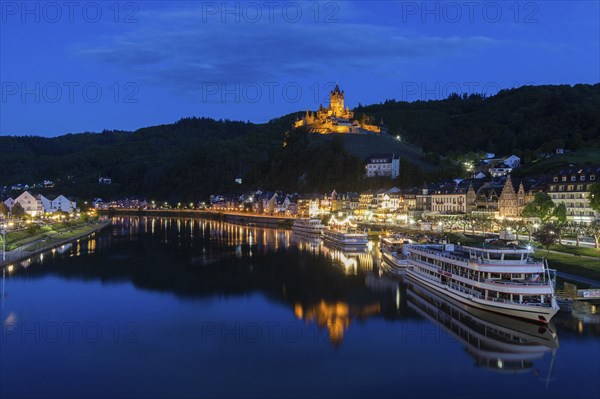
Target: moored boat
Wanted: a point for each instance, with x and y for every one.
(345, 233)
(391, 248)
(308, 226)
(496, 277)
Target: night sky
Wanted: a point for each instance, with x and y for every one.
(88, 66)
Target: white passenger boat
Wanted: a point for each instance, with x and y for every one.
(497, 277)
(308, 226)
(345, 233)
(391, 248)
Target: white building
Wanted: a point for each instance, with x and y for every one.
(513, 161)
(572, 188)
(9, 202)
(500, 169)
(32, 205)
(62, 203)
(383, 165)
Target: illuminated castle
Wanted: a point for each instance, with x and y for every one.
(337, 119)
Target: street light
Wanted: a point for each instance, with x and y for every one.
(3, 231)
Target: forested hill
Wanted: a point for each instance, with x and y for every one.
(195, 157)
(523, 120)
(184, 160)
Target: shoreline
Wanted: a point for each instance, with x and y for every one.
(281, 222)
(25, 255)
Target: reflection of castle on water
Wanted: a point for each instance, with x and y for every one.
(335, 316)
(496, 342)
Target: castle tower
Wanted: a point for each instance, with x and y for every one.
(336, 102)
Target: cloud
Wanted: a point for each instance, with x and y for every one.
(180, 50)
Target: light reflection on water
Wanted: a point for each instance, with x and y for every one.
(188, 288)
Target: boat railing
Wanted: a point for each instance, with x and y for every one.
(485, 280)
(512, 282)
(440, 253)
(479, 260)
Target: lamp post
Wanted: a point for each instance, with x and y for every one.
(3, 230)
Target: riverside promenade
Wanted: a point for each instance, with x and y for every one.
(46, 244)
(231, 217)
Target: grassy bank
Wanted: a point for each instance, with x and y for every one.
(47, 232)
(577, 251)
(584, 267)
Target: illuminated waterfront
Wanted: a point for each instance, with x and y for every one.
(164, 307)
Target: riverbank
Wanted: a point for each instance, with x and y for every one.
(46, 243)
(281, 222)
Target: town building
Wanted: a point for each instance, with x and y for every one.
(572, 188)
(63, 204)
(383, 165)
(453, 198)
(9, 202)
(32, 204)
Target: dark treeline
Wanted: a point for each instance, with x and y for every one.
(524, 121)
(194, 157)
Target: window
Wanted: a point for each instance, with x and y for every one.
(592, 177)
(573, 178)
(564, 178)
(570, 187)
(579, 187)
(582, 177)
(555, 179)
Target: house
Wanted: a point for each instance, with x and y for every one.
(9, 202)
(383, 165)
(486, 201)
(500, 169)
(512, 161)
(46, 203)
(63, 204)
(104, 180)
(453, 198)
(269, 202)
(32, 204)
(572, 188)
(423, 199)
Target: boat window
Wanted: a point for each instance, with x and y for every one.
(512, 256)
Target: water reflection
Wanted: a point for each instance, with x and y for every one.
(325, 286)
(496, 342)
(335, 317)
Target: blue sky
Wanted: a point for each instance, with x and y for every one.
(89, 66)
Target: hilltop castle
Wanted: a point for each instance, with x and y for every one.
(337, 119)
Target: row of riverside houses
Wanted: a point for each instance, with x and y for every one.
(498, 197)
(37, 204)
(279, 203)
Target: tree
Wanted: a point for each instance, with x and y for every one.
(560, 214)
(546, 236)
(4, 209)
(542, 207)
(594, 197)
(18, 211)
(594, 230)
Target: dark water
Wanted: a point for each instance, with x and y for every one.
(183, 308)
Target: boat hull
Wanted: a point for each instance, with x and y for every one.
(356, 241)
(395, 265)
(536, 314)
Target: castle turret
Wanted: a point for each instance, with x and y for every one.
(336, 102)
